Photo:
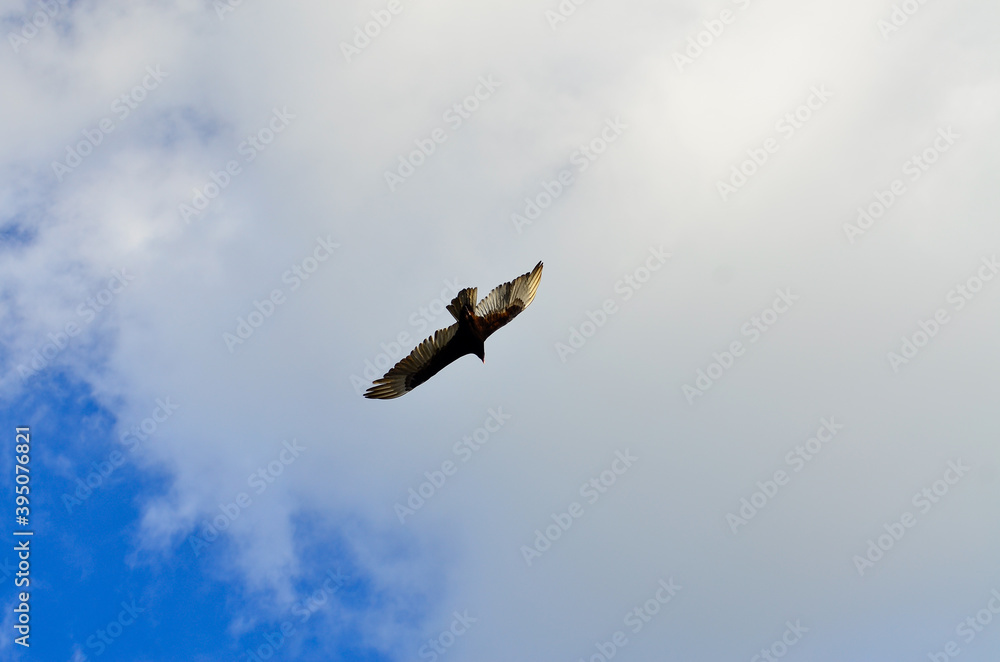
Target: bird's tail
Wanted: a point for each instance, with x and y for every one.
(466, 297)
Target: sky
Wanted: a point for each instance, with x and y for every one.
(748, 415)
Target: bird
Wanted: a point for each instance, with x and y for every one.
(474, 323)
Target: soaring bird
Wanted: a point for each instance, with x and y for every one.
(474, 323)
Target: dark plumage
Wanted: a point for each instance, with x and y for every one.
(474, 324)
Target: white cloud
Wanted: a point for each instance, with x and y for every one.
(323, 175)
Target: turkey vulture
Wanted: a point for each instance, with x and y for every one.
(474, 324)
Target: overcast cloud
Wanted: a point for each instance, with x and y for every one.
(754, 398)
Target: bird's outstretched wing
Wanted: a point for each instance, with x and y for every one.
(505, 302)
(424, 362)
